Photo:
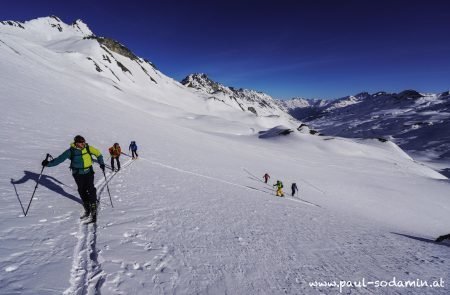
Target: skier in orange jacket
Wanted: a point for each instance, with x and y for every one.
(115, 152)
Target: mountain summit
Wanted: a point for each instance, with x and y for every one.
(256, 102)
(48, 28)
(202, 82)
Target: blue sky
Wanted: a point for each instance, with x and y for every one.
(312, 49)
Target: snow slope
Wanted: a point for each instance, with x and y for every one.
(192, 215)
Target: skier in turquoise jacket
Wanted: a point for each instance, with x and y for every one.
(80, 155)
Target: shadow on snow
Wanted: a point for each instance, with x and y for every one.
(49, 182)
(422, 239)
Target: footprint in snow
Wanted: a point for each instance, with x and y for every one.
(17, 254)
(130, 234)
(11, 268)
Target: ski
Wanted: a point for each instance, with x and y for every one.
(88, 221)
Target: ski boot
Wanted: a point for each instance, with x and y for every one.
(87, 212)
(94, 213)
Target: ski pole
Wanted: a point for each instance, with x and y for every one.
(107, 187)
(37, 183)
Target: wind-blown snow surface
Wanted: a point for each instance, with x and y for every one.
(192, 215)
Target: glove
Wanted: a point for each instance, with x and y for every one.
(102, 166)
(45, 163)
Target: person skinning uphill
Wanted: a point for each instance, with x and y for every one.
(294, 188)
(279, 186)
(80, 155)
(266, 177)
(133, 149)
(115, 152)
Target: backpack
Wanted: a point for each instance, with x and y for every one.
(72, 156)
(115, 151)
(281, 184)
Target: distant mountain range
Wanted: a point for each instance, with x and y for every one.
(417, 122)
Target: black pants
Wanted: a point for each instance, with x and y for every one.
(134, 154)
(112, 163)
(86, 189)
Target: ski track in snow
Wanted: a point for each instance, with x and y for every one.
(87, 275)
(17, 52)
(169, 248)
(226, 182)
(268, 189)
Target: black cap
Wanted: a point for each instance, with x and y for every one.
(79, 138)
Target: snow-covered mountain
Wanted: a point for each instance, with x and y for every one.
(192, 215)
(108, 61)
(417, 122)
(258, 103)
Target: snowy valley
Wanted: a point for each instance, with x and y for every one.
(192, 215)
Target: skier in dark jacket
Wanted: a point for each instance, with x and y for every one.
(80, 155)
(133, 149)
(294, 188)
(266, 177)
(441, 238)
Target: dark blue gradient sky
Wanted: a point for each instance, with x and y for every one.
(313, 49)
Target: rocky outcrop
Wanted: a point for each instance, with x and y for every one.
(13, 24)
(114, 46)
(246, 100)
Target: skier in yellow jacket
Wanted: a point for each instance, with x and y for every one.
(279, 186)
